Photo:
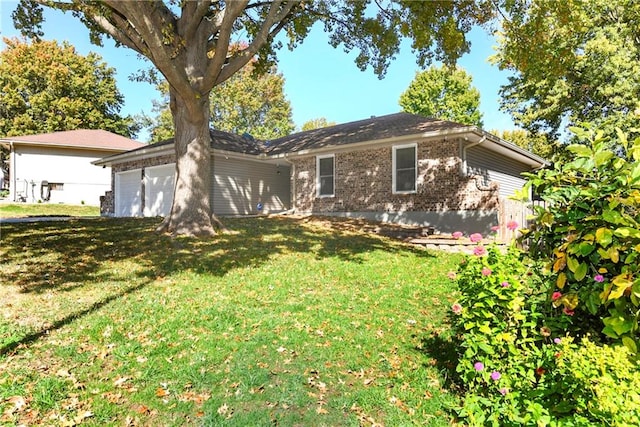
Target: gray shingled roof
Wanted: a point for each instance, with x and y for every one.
(361, 131)
(375, 128)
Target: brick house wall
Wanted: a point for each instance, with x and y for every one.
(363, 183)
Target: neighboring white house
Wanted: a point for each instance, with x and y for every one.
(56, 167)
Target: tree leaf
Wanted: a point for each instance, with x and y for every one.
(581, 271)
(602, 157)
(627, 232)
(630, 344)
(613, 217)
(604, 237)
(580, 150)
(561, 281)
(573, 264)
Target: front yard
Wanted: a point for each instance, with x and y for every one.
(287, 322)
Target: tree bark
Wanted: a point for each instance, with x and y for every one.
(191, 209)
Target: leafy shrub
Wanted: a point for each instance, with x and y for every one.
(505, 346)
(596, 385)
(589, 234)
(515, 369)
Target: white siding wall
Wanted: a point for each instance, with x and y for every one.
(495, 167)
(239, 185)
(159, 183)
(81, 181)
(128, 192)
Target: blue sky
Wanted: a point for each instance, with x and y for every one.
(320, 81)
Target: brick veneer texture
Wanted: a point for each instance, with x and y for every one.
(363, 183)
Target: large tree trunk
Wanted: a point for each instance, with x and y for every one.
(191, 208)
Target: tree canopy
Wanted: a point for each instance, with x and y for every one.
(320, 122)
(574, 62)
(537, 144)
(48, 87)
(248, 102)
(188, 43)
(444, 93)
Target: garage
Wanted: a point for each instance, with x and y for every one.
(129, 190)
(159, 183)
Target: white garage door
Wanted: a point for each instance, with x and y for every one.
(158, 189)
(128, 193)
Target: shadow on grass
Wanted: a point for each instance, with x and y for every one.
(443, 349)
(62, 256)
(34, 336)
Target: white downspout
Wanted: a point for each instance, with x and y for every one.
(463, 164)
(293, 184)
(12, 172)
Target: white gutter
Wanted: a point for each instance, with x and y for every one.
(136, 154)
(376, 142)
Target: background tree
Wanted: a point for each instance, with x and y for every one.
(574, 62)
(318, 123)
(444, 93)
(537, 144)
(48, 87)
(188, 43)
(246, 103)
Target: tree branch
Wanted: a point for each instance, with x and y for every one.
(259, 40)
(195, 11)
(225, 28)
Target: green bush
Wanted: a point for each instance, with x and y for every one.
(505, 347)
(589, 234)
(515, 369)
(596, 385)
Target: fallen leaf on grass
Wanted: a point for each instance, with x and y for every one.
(225, 411)
(142, 409)
(162, 392)
(120, 381)
(19, 403)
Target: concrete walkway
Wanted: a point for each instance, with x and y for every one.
(42, 219)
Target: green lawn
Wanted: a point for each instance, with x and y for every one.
(287, 322)
(16, 210)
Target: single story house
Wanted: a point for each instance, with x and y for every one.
(399, 168)
(56, 167)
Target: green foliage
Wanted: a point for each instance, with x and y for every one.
(318, 123)
(246, 103)
(535, 143)
(443, 93)
(48, 87)
(504, 344)
(589, 234)
(599, 385)
(517, 370)
(574, 62)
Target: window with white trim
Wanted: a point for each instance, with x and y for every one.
(405, 166)
(325, 175)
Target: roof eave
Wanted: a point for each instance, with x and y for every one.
(380, 142)
(512, 150)
(8, 141)
(135, 154)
